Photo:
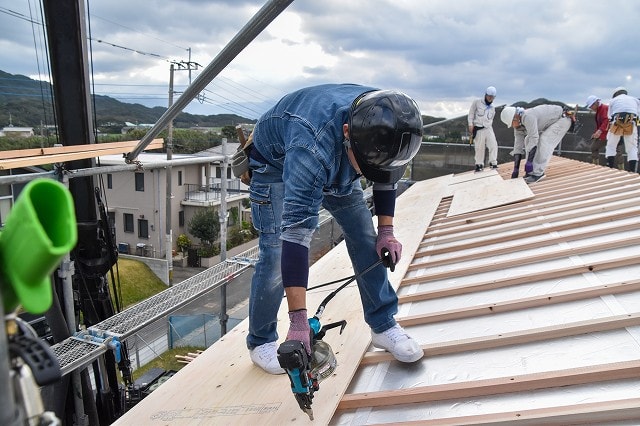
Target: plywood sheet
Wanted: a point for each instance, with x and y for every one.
(481, 194)
(222, 386)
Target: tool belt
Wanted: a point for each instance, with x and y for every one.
(474, 133)
(623, 124)
(240, 161)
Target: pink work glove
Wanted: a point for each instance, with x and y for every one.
(299, 328)
(388, 248)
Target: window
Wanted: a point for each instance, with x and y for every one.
(109, 181)
(219, 172)
(181, 218)
(179, 177)
(140, 182)
(143, 228)
(127, 218)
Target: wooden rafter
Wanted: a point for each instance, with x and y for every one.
(513, 305)
(38, 156)
(516, 337)
(500, 385)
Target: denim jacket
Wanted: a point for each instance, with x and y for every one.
(302, 138)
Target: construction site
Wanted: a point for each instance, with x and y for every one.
(522, 296)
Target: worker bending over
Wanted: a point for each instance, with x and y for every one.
(308, 152)
(537, 131)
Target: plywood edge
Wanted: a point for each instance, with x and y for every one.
(488, 193)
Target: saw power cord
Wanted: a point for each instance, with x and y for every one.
(331, 295)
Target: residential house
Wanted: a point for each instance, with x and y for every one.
(17, 132)
(137, 201)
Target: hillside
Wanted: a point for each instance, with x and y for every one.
(29, 103)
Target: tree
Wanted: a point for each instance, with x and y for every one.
(205, 225)
(229, 132)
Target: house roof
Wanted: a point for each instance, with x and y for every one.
(524, 299)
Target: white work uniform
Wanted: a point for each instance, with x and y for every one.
(481, 115)
(543, 127)
(623, 104)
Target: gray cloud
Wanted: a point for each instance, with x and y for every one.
(443, 53)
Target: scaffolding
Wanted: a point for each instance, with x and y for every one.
(85, 346)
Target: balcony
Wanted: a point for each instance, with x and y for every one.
(211, 194)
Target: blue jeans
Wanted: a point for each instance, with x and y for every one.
(379, 300)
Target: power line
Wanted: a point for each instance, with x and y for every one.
(18, 15)
(139, 32)
(140, 52)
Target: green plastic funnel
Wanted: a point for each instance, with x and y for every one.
(40, 229)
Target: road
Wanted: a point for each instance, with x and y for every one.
(237, 295)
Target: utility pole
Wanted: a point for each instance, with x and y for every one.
(223, 237)
(168, 229)
(169, 170)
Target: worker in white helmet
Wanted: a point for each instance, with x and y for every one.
(480, 120)
(623, 113)
(537, 131)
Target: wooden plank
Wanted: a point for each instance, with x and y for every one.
(38, 152)
(530, 259)
(514, 305)
(527, 232)
(606, 228)
(500, 385)
(89, 151)
(517, 337)
(535, 220)
(221, 385)
(488, 194)
(520, 279)
(586, 413)
(615, 190)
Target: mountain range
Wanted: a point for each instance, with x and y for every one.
(28, 102)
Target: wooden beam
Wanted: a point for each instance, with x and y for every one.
(528, 260)
(617, 184)
(520, 279)
(605, 229)
(39, 156)
(532, 226)
(516, 337)
(501, 385)
(514, 305)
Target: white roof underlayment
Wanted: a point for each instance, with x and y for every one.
(525, 299)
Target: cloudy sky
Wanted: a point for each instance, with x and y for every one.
(442, 53)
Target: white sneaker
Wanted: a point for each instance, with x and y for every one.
(399, 343)
(266, 357)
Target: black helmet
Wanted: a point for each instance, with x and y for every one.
(385, 131)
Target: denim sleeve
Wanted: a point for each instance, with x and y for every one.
(304, 177)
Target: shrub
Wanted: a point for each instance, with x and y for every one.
(183, 242)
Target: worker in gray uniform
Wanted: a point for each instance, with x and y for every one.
(480, 120)
(537, 131)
